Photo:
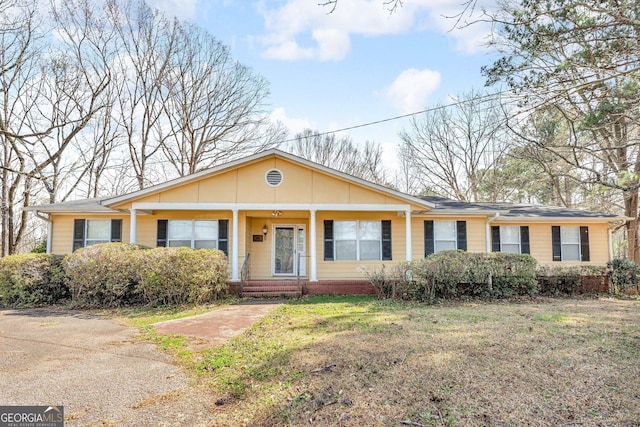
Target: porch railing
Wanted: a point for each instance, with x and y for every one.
(244, 272)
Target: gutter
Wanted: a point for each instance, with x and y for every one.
(49, 222)
(488, 230)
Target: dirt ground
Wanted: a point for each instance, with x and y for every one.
(96, 368)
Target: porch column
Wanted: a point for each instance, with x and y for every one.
(408, 231)
(133, 227)
(313, 273)
(234, 246)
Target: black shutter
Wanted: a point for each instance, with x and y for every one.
(462, 235)
(78, 233)
(116, 230)
(386, 240)
(584, 244)
(525, 248)
(223, 236)
(495, 238)
(328, 240)
(556, 244)
(429, 243)
(161, 239)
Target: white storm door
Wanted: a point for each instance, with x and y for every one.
(289, 246)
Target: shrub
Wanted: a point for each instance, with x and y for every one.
(104, 275)
(454, 274)
(513, 275)
(170, 276)
(392, 283)
(32, 279)
(625, 275)
(559, 280)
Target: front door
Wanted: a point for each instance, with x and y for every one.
(289, 250)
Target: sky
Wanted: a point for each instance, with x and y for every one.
(355, 65)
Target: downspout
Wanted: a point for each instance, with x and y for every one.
(610, 244)
(488, 230)
(49, 228)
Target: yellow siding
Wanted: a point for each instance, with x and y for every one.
(540, 241)
(252, 222)
(329, 190)
(219, 189)
(147, 225)
(300, 184)
(337, 270)
(476, 233)
(62, 239)
(182, 194)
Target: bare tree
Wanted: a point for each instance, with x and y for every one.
(47, 100)
(215, 106)
(452, 145)
(145, 43)
(363, 161)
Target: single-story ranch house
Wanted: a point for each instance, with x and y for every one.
(280, 217)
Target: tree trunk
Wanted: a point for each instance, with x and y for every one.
(631, 210)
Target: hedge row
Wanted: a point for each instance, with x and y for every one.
(455, 274)
(32, 280)
(114, 275)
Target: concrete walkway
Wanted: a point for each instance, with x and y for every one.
(216, 327)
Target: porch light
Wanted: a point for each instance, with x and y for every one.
(264, 230)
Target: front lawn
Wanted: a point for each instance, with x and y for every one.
(360, 361)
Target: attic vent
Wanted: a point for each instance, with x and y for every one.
(274, 177)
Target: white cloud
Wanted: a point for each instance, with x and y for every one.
(410, 91)
(295, 125)
(181, 9)
(302, 29)
(328, 33)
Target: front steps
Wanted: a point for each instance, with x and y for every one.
(272, 289)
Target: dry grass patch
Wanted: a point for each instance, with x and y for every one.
(359, 361)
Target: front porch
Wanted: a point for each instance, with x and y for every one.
(276, 234)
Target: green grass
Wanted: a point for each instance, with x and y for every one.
(361, 361)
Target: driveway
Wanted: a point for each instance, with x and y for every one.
(97, 369)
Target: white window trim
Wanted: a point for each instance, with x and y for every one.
(562, 244)
(358, 239)
(193, 232)
(95, 241)
(519, 242)
(455, 235)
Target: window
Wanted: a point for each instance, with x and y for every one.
(510, 239)
(570, 243)
(357, 240)
(98, 231)
(444, 235)
(88, 232)
(194, 234)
